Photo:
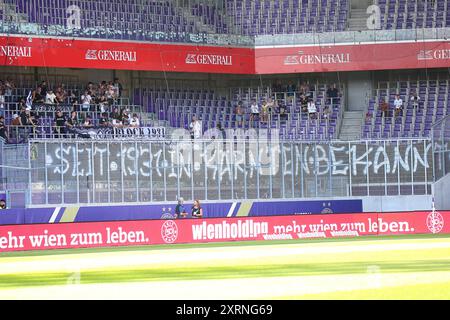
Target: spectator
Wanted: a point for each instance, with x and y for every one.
(44, 88)
(23, 116)
(195, 128)
(86, 100)
(37, 95)
(50, 97)
(332, 92)
(125, 118)
(73, 98)
(180, 211)
(283, 112)
(116, 114)
(291, 88)
(415, 100)
(277, 89)
(398, 104)
(117, 87)
(312, 110)
(116, 123)
(368, 117)
(102, 103)
(134, 122)
(239, 115)
(304, 103)
(72, 122)
(254, 109)
(264, 112)
(104, 121)
(221, 130)
(9, 86)
(2, 204)
(384, 107)
(15, 120)
(61, 94)
(3, 129)
(87, 123)
(197, 210)
(60, 124)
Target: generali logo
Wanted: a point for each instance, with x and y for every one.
(209, 59)
(111, 55)
(324, 58)
(435, 222)
(441, 54)
(15, 52)
(169, 231)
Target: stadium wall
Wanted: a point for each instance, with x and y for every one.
(217, 209)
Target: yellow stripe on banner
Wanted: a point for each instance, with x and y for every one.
(69, 214)
(244, 209)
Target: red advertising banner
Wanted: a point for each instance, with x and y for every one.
(77, 53)
(376, 56)
(148, 232)
(95, 54)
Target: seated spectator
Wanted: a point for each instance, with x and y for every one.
(327, 112)
(2, 102)
(15, 120)
(415, 100)
(116, 123)
(283, 112)
(104, 121)
(126, 117)
(116, 114)
(384, 107)
(87, 123)
(291, 88)
(37, 95)
(3, 129)
(73, 121)
(398, 104)
(264, 111)
(368, 117)
(312, 110)
(50, 97)
(60, 124)
(304, 103)
(134, 122)
(2, 204)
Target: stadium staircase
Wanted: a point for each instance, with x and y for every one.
(351, 125)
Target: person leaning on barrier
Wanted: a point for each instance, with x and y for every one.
(180, 210)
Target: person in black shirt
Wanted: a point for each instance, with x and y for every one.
(104, 121)
(2, 204)
(3, 129)
(283, 112)
(23, 117)
(197, 210)
(332, 92)
(60, 124)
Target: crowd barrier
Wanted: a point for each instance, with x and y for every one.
(167, 211)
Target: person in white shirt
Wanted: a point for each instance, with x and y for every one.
(254, 109)
(415, 100)
(312, 110)
(398, 104)
(195, 128)
(86, 101)
(50, 97)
